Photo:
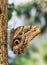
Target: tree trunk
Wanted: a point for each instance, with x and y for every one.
(3, 33)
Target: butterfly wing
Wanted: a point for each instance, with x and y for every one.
(20, 37)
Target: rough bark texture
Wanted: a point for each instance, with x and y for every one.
(3, 33)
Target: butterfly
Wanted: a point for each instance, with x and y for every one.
(20, 37)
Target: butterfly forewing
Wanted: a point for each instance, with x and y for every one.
(20, 37)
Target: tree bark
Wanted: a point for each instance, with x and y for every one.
(3, 33)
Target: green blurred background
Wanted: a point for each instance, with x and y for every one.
(32, 12)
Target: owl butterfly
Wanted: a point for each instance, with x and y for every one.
(20, 37)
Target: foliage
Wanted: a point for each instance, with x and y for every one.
(10, 10)
(25, 10)
(43, 51)
(27, 59)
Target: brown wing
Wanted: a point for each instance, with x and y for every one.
(20, 37)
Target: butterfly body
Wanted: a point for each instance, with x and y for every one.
(20, 37)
